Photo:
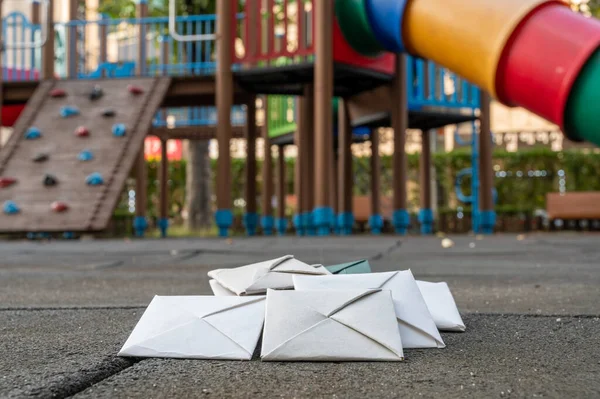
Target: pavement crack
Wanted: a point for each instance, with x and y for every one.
(388, 251)
(64, 386)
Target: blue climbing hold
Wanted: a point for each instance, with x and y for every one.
(95, 179)
(85, 156)
(68, 111)
(10, 208)
(33, 133)
(119, 130)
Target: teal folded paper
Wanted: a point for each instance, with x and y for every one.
(356, 267)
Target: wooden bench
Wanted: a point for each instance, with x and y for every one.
(573, 206)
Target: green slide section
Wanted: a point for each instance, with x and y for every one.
(354, 22)
(582, 119)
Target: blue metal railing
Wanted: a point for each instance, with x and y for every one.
(19, 64)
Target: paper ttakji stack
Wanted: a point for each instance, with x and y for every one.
(349, 325)
(258, 277)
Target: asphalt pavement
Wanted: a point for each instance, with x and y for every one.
(531, 305)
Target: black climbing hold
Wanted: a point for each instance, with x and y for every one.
(96, 93)
(109, 113)
(50, 181)
(42, 157)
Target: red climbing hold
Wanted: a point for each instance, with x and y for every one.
(7, 181)
(136, 90)
(58, 93)
(59, 207)
(82, 131)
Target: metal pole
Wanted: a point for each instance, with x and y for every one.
(475, 178)
(251, 217)
(487, 216)
(323, 211)
(401, 218)
(345, 196)
(426, 213)
(281, 219)
(224, 101)
(375, 220)
(267, 221)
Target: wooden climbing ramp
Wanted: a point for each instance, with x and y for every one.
(65, 165)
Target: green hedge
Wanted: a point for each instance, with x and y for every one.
(582, 173)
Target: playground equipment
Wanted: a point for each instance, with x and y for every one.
(316, 50)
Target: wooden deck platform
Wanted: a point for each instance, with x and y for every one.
(90, 207)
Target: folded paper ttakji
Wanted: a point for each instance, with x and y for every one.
(356, 267)
(258, 277)
(441, 305)
(333, 325)
(198, 327)
(415, 323)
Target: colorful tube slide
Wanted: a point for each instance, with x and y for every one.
(535, 54)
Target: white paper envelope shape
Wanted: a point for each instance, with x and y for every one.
(258, 277)
(198, 327)
(441, 305)
(350, 325)
(219, 290)
(416, 326)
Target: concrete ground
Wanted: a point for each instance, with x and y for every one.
(531, 306)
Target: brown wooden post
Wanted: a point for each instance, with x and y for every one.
(267, 221)
(281, 191)
(375, 220)
(309, 154)
(323, 212)
(251, 217)
(487, 214)
(48, 49)
(142, 12)
(345, 183)
(36, 18)
(163, 222)
(72, 41)
(425, 213)
(224, 100)
(334, 190)
(300, 167)
(401, 218)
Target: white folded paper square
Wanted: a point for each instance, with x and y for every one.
(350, 325)
(441, 305)
(198, 327)
(416, 326)
(258, 277)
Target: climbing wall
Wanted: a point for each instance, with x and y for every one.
(71, 151)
